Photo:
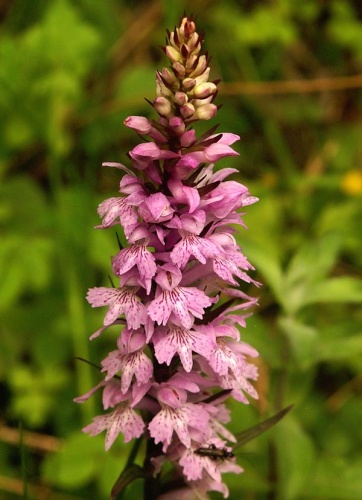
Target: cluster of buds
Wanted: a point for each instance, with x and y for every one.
(184, 90)
(178, 304)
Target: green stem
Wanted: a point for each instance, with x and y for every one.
(133, 452)
(84, 379)
(152, 484)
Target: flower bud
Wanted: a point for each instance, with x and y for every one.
(191, 62)
(143, 126)
(139, 123)
(174, 39)
(162, 106)
(161, 89)
(196, 50)
(177, 124)
(201, 102)
(204, 77)
(200, 68)
(204, 90)
(180, 98)
(188, 138)
(187, 110)
(179, 68)
(188, 83)
(173, 54)
(193, 41)
(168, 77)
(187, 27)
(206, 112)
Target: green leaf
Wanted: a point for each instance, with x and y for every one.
(302, 339)
(61, 22)
(314, 260)
(23, 270)
(340, 290)
(309, 266)
(247, 435)
(336, 479)
(295, 455)
(127, 476)
(267, 265)
(23, 206)
(345, 218)
(339, 349)
(265, 26)
(34, 392)
(76, 464)
(56, 74)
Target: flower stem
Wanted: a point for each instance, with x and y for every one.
(152, 483)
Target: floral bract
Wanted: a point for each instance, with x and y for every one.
(178, 301)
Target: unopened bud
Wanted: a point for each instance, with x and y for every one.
(206, 112)
(168, 76)
(193, 41)
(200, 68)
(191, 62)
(177, 124)
(187, 110)
(188, 138)
(204, 90)
(180, 98)
(162, 106)
(161, 89)
(187, 27)
(173, 54)
(201, 102)
(139, 123)
(188, 83)
(196, 50)
(174, 40)
(204, 77)
(179, 69)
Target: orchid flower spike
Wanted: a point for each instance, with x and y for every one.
(177, 300)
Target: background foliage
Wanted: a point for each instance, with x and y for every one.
(70, 72)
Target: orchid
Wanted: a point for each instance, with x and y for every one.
(178, 304)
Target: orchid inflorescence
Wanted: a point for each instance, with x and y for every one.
(178, 304)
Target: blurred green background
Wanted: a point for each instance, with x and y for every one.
(70, 73)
